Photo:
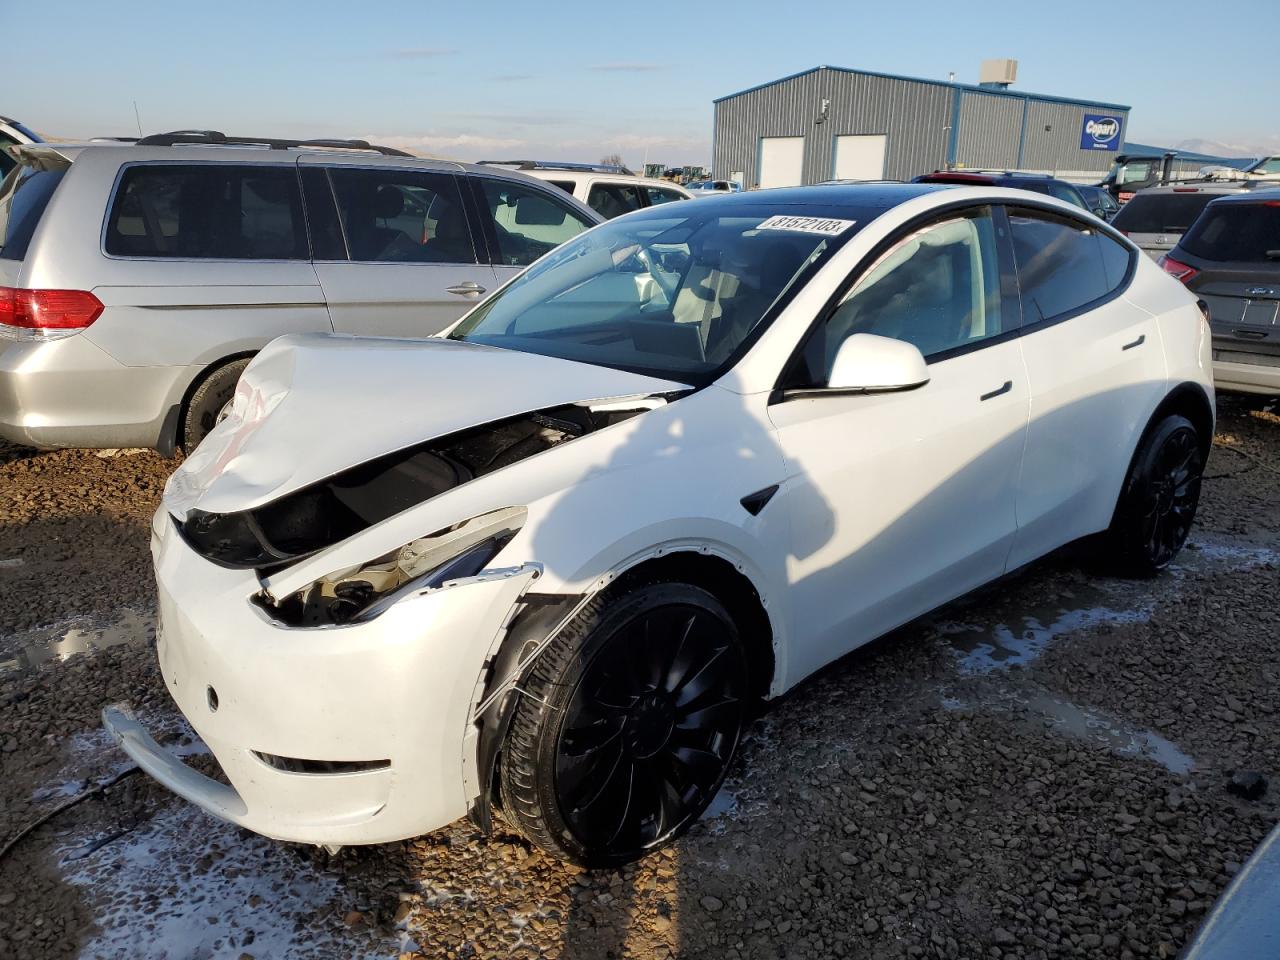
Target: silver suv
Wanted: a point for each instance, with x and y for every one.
(136, 280)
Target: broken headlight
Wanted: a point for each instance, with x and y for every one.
(363, 592)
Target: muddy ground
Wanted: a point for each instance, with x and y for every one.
(1036, 771)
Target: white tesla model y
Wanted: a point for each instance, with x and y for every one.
(546, 562)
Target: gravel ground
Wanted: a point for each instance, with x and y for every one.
(1036, 771)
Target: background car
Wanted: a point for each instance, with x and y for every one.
(608, 190)
(1036, 182)
(1230, 259)
(556, 576)
(1157, 217)
(712, 187)
(12, 133)
(136, 280)
(1101, 203)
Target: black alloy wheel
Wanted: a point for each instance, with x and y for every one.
(1160, 498)
(640, 718)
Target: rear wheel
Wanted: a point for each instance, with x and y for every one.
(626, 726)
(1159, 500)
(210, 403)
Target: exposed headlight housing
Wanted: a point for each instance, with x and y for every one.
(363, 592)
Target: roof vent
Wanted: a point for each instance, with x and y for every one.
(998, 73)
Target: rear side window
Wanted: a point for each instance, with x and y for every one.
(402, 216)
(1063, 265)
(1161, 212)
(212, 211)
(1064, 192)
(1237, 232)
(24, 194)
(614, 199)
(566, 185)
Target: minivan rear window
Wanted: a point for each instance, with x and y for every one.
(208, 211)
(1237, 232)
(24, 195)
(1161, 212)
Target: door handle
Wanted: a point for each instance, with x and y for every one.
(1137, 343)
(468, 289)
(1008, 385)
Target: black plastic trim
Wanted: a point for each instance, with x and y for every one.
(753, 503)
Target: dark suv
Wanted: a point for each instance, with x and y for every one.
(1037, 182)
(1230, 258)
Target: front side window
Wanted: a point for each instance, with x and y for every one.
(669, 294)
(208, 211)
(402, 216)
(1270, 165)
(938, 288)
(1063, 264)
(614, 199)
(658, 195)
(528, 223)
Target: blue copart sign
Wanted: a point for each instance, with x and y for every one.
(1100, 132)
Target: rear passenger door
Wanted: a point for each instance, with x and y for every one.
(394, 248)
(204, 261)
(1095, 366)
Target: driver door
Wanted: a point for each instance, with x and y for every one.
(898, 502)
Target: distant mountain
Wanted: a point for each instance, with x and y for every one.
(1255, 148)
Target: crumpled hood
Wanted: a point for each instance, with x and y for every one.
(312, 405)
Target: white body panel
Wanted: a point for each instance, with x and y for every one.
(886, 505)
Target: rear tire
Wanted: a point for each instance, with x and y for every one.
(626, 725)
(1158, 503)
(209, 402)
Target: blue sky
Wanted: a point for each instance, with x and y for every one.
(577, 80)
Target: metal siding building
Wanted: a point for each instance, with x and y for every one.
(921, 125)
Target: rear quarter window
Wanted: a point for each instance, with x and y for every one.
(1237, 233)
(24, 195)
(216, 211)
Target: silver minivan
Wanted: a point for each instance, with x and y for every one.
(137, 279)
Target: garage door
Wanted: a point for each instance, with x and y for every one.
(781, 161)
(860, 157)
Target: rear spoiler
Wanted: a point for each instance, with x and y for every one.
(42, 156)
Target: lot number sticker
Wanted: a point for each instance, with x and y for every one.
(821, 225)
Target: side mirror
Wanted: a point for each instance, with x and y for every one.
(866, 363)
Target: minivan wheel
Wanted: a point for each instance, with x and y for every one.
(210, 403)
(626, 725)
(1158, 503)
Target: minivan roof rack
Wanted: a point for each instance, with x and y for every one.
(217, 138)
(560, 165)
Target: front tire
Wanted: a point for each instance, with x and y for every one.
(1158, 503)
(209, 403)
(626, 725)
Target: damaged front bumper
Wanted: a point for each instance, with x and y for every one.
(359, 733)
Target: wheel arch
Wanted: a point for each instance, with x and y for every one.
(205, 372)
(704, 566)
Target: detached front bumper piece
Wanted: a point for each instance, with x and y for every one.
(161, 765)
(333, 735)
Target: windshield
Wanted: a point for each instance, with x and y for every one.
(673, 295)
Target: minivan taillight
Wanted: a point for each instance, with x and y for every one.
(46, 314)
(1177, 269)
